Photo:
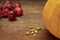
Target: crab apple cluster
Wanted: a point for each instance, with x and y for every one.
(10, 10)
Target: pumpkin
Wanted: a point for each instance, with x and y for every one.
(51, 17)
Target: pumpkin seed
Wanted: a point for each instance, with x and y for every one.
(38, 28)
(35, 31)
(32, 30)
(34, 35)
(27, 33)
(30, 27)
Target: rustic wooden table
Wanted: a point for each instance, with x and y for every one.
(15, 30)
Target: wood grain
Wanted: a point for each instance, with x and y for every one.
(32, 16)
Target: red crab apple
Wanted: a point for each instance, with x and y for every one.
(1, 6)
(11, 15)
(16, 5)
(13, 6)
(5, 12)
(18, 11)
(1, 14)
(8, 5)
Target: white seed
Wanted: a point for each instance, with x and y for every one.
(38, 28)
(27, 33)
(34, 35)
(32, 30)
(30, 27)
(35, 31)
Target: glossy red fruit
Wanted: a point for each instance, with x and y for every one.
(5, 12)
(8, 5)
(13, 6)
(1, 6)
(16, 5)
(18, 11)
(1, 14)
(11, 15)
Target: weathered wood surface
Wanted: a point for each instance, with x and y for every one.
(32, 16)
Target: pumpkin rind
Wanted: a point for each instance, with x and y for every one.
(51, 17)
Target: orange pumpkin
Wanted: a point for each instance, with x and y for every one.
(51, 17)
